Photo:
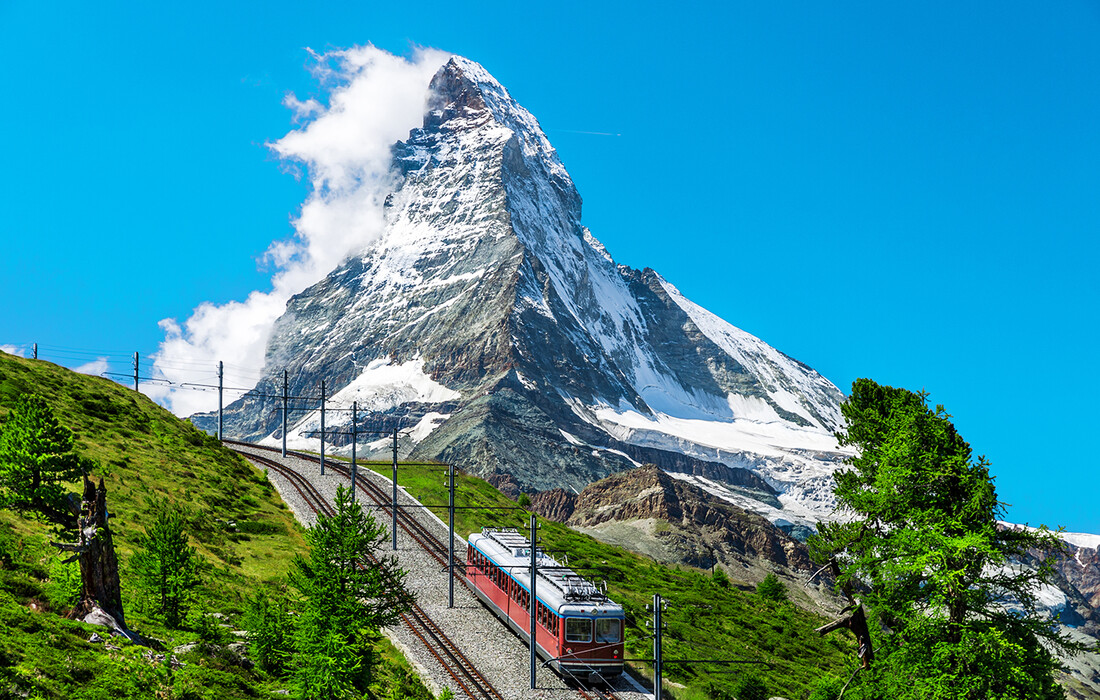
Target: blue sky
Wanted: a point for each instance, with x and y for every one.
(909, 192)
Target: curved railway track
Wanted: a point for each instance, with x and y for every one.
(449, 656)
(411, 525)
(420, 625)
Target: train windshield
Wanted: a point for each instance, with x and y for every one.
(607, 630)
(578, 629)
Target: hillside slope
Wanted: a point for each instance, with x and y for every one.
(148, 459)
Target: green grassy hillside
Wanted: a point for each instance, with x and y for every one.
(244, 533)
(707, 618)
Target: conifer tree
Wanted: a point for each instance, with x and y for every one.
(772, 589)
(166, 565)
(36, 459)
(349, 591)
(939, 604)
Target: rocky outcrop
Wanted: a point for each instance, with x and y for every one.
(1080, 568)
(556, 504)
(646, 510)
(728, 532)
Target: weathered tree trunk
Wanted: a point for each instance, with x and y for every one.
(100, 588)
(856, 621)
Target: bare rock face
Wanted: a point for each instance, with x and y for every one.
(505, 483)
(1081, 569)
(648, 511)
(707, 523)
(556, 504)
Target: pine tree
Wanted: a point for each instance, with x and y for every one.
(167, 567)
(349, 591)
(36, 459)
(936, 598)
(270, 632)
(772, 589)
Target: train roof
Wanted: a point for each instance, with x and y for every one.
(558, 585)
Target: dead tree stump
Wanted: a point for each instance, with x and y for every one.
(100, 594)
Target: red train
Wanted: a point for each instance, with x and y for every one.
(579, 631)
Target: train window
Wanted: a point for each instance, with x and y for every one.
(607, 630)
(578, 629)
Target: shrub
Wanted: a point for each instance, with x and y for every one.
(750, 688)
(772, 589)
(827, 688)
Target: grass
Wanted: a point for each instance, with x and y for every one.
(707, 618)
(148, 459)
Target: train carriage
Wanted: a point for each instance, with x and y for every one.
(579, 631)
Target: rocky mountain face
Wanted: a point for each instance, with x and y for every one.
(1080, 569)
(1075, 598)
(494, 331)
(646, 510)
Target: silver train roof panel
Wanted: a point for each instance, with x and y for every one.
(558, 585)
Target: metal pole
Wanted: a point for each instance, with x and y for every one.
(286, 381)
(393, 525)
(322, 427)
(354, 439)
(135, 371)
(531, 607)
(221, 375)
(657, 602)
(451, 540)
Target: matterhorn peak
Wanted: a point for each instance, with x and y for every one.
(491, 328)
(463, 96)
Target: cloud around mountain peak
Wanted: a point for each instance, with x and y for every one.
(371, 99)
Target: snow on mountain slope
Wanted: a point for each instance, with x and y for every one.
(790, 384)
(491, 327)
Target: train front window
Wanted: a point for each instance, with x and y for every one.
(607, 630)
(578, 629)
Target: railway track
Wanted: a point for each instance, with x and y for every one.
(438, 644)
(421, 625)
(409, 524)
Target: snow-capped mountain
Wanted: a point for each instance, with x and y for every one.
(493, 329)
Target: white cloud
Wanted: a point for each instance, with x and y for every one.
(13, 350)
(374, 99)
(97, 366)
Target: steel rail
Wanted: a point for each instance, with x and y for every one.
(407, 522)
(476, 686)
